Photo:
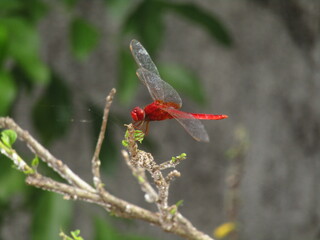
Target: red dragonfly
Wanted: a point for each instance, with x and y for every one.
(166, 100)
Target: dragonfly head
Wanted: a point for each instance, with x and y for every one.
(138, 114)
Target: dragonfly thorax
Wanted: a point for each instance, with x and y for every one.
(138, 114)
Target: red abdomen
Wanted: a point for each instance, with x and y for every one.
(204, 116)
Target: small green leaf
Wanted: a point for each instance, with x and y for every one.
(84, 38)
(138, 136)
(76, 235)
(141, 179)
(179, 203)
(182, 156)
(125, 143)
(8, 137)
(35, 162)
(183, 80)
(7, 92)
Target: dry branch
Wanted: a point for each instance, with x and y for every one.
(140, 163)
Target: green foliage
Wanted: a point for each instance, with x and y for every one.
(24, 55)
(84, 38)
(138, 136)
(8, 90)
(51, 115)
(35, 163)
(174, 208)
(51, 213)
(8, 137)
(75, 235)
(19, 48)
(182, 156)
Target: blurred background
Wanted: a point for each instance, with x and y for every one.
(256, 61)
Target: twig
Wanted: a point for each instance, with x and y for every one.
(95, 159)
(150, 194)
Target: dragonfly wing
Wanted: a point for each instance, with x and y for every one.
(192, 125)
(159, 89)
(142, 57)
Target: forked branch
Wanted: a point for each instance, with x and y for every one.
(75, 188)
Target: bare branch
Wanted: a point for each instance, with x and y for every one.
(140, 163)
(95, 160)
(57, 165)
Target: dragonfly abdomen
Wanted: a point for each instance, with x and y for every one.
(204, 116)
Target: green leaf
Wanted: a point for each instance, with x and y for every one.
(50, 214)
(138, 136)
(203, 18)
(76, 235)
(128, 82)
(8, 92)
(35, 162)
(84, 38)
(8, 137)
(183, 80)
(179, 203)
(26, 54)
(51, 114)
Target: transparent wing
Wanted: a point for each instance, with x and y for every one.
(192, 125)
(159, 89)
(142, 57)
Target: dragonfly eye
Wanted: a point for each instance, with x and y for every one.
(137, 114)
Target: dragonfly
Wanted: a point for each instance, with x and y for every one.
(166, 101)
